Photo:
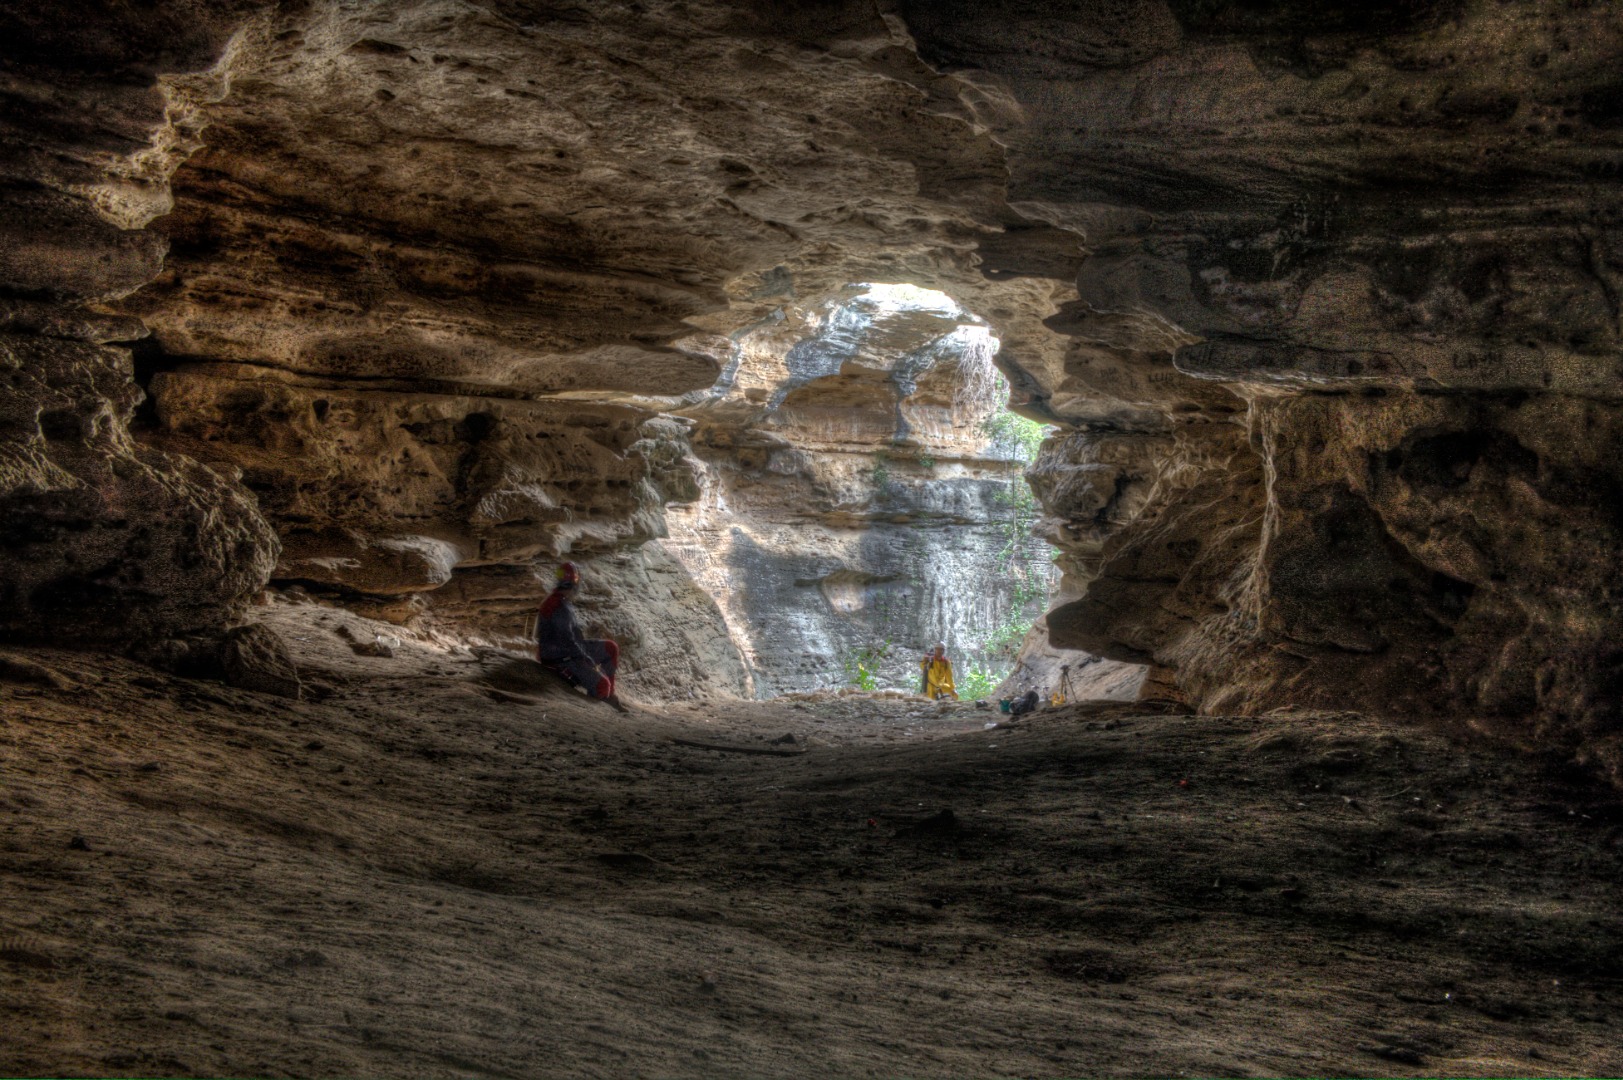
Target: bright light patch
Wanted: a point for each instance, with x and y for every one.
(912, 298)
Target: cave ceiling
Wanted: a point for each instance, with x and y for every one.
(1325, 301)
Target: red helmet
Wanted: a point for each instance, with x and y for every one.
(568, 574)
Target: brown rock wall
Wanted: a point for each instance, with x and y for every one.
(103, 540)
(1381, 243)
(1326, 300)
(1473, 542)
(106, 540)
(674, 641)
(409, 217)
(498, 194)
(498, 480)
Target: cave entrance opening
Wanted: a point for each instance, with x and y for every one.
(864, 498)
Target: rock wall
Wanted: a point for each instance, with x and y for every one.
(432, 270)
(102, 540)
(855, 509)
(1345, 347)
(407, 504)
(1070, 675)
(437, 268)
(1324, 300)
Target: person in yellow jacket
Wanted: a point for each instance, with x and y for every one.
(937, 672)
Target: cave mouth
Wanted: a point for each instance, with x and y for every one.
(754, 402)
(862, 497)
(848, 492)
(1326, 302)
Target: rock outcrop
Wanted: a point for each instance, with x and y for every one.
(254, 657)
(1346, 346)
(438, 268)
(103, 540)
(403, 503)
(856, 506)
(1324, 302)
(107, 540)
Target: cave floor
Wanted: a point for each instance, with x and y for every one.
(448, 868)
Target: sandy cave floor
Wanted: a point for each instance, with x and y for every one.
(449, 868)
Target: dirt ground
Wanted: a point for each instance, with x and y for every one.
(449, 867)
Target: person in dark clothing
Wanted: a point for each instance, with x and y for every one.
(1026, 703)
(588, 663)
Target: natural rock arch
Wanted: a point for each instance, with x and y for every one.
(1327, 305)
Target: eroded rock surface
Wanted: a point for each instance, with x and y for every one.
(254, 657)
(438, 267)
(104, 540)
(1324, 300)
(855, 508)
(1383, 245)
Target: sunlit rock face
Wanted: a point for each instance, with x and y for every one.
(405, 504)
(855, 508)
(388, 492)
(543, 199)
(438, 268)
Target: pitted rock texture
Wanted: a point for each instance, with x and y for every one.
(855, 508)
(405, 504)
(1326, 300)
(550, 200)
(254, 657)
(387, 491)
(105, 540)
(1490, 527)
(1344, 347)
(408, 218)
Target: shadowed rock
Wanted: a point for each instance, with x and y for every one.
(1325, 304)
(254, 657)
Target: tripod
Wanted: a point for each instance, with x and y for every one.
(1063, 694)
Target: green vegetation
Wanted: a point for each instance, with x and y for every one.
(1013, 434)
(1024, 559)
(1003, 643)
(977, 681)
(862, 667)
(881, 470)
(1024, 562)
(1022, 513)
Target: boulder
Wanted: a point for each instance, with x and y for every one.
(254, 657)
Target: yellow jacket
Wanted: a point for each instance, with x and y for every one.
(938, 678)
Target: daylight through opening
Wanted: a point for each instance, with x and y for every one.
(863, 499)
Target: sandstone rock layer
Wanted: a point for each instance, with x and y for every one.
(1325, 303)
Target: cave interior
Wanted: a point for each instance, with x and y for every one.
(1252, 371)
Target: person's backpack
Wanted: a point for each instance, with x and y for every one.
(1026, 703)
